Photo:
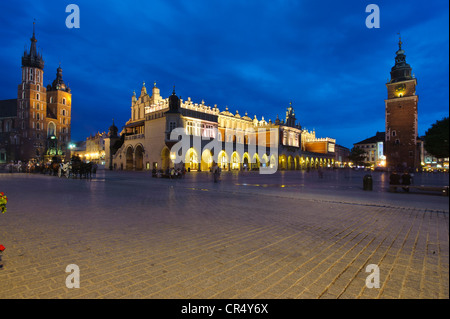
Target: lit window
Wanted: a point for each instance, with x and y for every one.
(189, 128)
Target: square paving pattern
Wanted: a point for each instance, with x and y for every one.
(285, 236)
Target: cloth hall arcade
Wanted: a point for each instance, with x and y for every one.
(145, 142)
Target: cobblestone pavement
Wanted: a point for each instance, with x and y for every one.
(290, 235)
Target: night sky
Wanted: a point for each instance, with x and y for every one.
(252, 56)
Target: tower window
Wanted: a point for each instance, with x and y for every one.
(64, 101)
(38, 88)
(37, 96)
(411, 154)
(64, 112)
(394, 133)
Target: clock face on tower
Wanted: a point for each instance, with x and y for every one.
(400, 88)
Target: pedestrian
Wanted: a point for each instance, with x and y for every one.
(215, 171)
(394, 180)
(406, 181)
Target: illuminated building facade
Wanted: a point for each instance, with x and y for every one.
(147, 141)
(373, 148)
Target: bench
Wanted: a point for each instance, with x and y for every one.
(441, 189)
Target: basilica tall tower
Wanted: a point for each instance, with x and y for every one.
(32, 103)
(401, 116)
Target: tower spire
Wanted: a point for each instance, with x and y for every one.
(32, 58)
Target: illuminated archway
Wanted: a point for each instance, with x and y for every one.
(246, 161)
(191, 160)
(290, 163)
(282, 162)
(302, 163)
(235, 161)
(222, 160)
(207, 160)
(256, 162)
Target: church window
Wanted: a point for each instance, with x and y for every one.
(37, 96)
(38, 88)
(64, 101)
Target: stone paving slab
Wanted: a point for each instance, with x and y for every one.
(137, 237)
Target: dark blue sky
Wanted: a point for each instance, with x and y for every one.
(249, 55)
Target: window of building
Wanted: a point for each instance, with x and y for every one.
(64, 101)
(38, 88)
(411, 154)
(189, 128)
(64, 112)
(198, 129)
(37, 96)
(38, 127)
(172, 126)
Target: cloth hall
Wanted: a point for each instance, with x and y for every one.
(145, 141)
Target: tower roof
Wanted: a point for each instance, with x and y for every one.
(401, 71)
(58, 83)
(33, 58)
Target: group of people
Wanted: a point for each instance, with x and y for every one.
(171, 173)
(405, 180)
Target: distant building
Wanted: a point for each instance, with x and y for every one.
(94, 149)
(341, 156)
(37, 124)
(147, 142)
(374, 150)
(402, 149)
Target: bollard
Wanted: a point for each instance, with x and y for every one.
(368, 183)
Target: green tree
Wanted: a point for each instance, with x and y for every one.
(436, 139)
(357, 156)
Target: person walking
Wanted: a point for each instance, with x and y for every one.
(215, 171)
(406, 181)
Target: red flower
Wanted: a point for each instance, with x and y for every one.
(2, 248)
(2, 194)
